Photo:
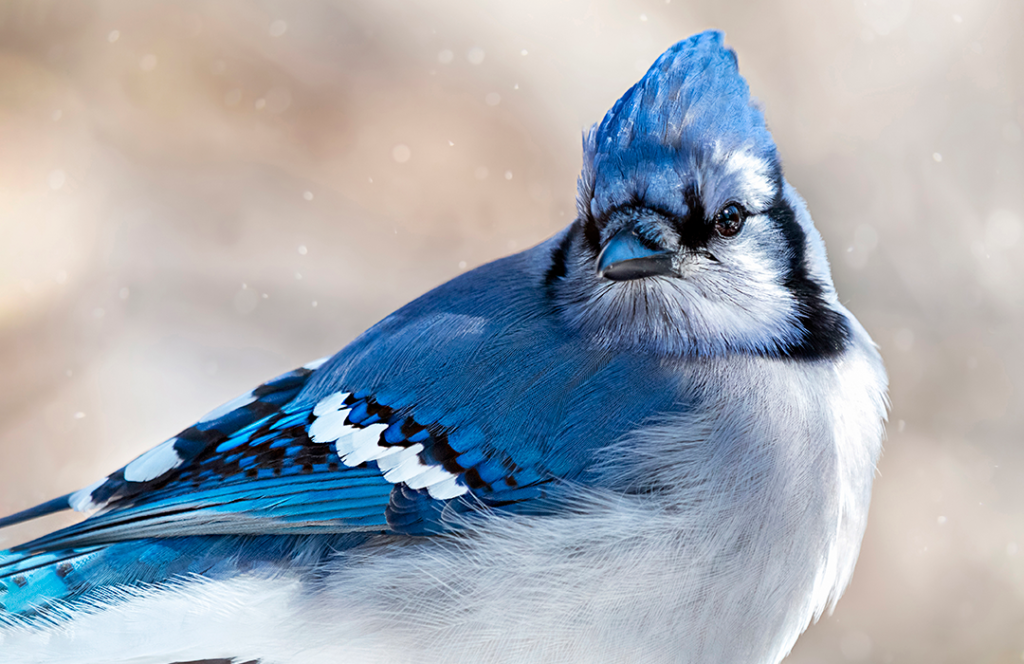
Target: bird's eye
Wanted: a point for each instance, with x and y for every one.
(729, 221)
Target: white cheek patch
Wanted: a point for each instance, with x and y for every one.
(153, 463)
(355, 445)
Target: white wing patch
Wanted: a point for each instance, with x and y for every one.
(153, 463)
(356, 445)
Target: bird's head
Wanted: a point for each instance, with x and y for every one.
(688, 240)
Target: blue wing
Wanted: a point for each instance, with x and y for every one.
(474, 397)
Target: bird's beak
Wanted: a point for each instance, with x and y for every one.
(626, 257)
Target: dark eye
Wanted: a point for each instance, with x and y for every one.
(729, 221)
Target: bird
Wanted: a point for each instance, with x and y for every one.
(649, 438)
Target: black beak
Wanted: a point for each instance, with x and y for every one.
(627, 257)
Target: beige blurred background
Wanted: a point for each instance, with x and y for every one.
(197, 196)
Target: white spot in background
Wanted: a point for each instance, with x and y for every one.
(226, 408)
(245, 300)
(883, 16)
(401, 153)
(445, 57)
(462, 265)
(278, 28)
(855, 646)
(56, 179)
(1002, 229)
(492, 99)
(266, 296)
(298, 276)
(937, 157)
(1011, 132)
(1011, 550)
(481, 173)
(903, 339)
(314, 304)
(124, 293)
(260, 104)
(524, 52)
(303, 250)
(113, 36)
(316, 364)
(941, 520)
(308, 195)
(475, 55)
(79, 415)
(278, 100)
(81, 500)
(643, 17)
(153, 463)
(57, 115)
(148, 62)
(232, 97)
(865, 239)
(957, 18)
(515, 87)
(901, 426)
(508, 175)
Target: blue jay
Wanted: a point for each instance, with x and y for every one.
(650, 438)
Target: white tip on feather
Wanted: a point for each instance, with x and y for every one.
(329, 403)
(81, 500)
(446, 489)
(330, 427)
(432, 475)
(392, 462)
(226, 408)
(409, 468)
(153, 463)
(364, 445)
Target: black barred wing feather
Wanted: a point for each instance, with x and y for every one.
(271, 462)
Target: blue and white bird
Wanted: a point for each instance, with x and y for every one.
(650, 438)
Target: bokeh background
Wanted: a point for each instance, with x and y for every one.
(197, 196)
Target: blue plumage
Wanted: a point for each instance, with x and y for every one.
(649, 438)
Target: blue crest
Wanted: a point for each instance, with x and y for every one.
(691, 106)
